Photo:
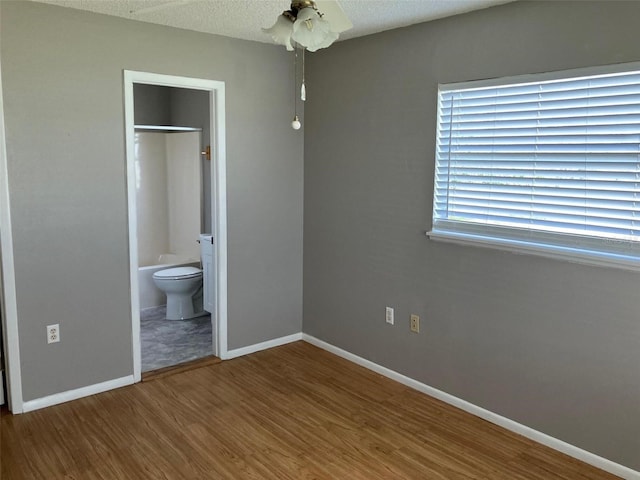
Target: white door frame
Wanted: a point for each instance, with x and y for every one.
(8, 281)
(218, 200)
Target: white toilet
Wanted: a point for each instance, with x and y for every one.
(183, 287)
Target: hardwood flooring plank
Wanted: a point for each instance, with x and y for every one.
(292, 412)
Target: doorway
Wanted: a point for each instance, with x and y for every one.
(213, 216)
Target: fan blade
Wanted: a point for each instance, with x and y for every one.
(332, 12)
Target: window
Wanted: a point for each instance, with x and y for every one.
(547, 163)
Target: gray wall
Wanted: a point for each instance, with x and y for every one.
(151, 104)
(63, 93)
(547, 343)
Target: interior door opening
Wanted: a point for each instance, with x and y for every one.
(177, 216)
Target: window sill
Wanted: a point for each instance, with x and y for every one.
(574, 255)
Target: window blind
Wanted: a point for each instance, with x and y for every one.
(554, 161)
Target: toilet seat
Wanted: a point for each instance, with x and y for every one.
(179, 273)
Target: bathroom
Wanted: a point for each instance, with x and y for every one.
(173, 209)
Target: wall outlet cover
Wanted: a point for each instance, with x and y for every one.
(389, 315)
(415, 323)
(53, 333)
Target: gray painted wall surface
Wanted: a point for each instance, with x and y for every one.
(63, 93)
(151, 104)
(547, 343)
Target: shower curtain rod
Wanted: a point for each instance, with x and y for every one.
(166, 128)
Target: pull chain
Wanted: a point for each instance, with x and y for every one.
(295, 124)
(303, 89)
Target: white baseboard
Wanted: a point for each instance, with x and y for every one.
(75, 394)
(129, 380)
(543, 438)
(276, 342)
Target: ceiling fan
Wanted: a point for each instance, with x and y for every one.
(308, 25)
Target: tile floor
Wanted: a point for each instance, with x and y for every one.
(170, 342)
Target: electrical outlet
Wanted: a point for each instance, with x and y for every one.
(53, 333)
(415, 323)
(389, 315)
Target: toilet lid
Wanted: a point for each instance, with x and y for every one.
(179, 272)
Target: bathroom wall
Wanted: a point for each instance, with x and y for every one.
(190, 108)
(182, 107)
(168, 195)
(62, 78)
(151, 197)
(184, 189)
(547, 343)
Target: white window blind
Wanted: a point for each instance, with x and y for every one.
(555, 162)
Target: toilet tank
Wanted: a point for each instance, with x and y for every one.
(207, 254)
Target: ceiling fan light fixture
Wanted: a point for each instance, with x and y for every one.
(311, 31)
(281, 31)
(304, 27)
(327, 41)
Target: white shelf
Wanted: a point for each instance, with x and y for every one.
(167, 128)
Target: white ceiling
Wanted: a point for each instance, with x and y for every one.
(245, 18)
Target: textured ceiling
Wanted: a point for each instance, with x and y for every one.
(245, 18)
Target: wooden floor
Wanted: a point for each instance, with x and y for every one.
(293, 412)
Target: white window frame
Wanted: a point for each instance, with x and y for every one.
(489, 236)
